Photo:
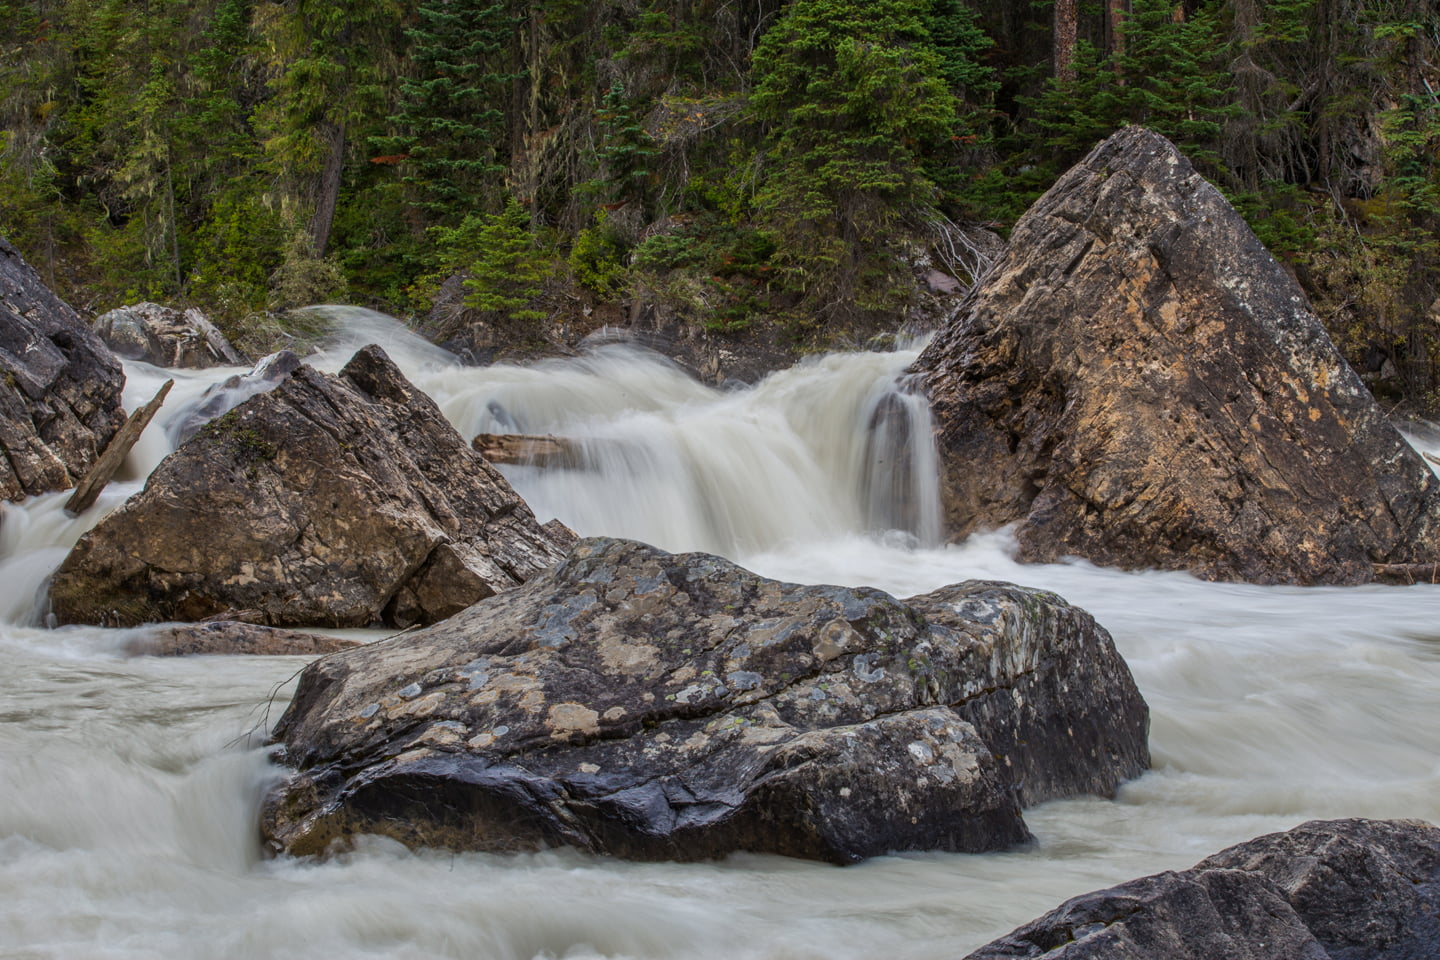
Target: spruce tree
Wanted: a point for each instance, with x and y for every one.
(451, 118)
(853, 95)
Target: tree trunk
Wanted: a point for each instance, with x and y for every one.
(1066, 20)
(1115, 11)
(329, 192)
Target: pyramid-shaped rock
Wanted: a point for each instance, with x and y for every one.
(332, 501)
(1139, 383)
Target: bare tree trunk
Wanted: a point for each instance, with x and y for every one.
(1066, 23)
(1115, 12)
(329, 192)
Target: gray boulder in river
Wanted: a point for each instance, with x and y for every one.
(329, 501)
(1139, 383)
(59, 386)
(1326, 890)
(656, 706)
(166, 337)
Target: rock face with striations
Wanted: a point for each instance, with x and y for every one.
(60, 388)
(1352, 889)
(656, 706)
(336, 501)
(1138, 383)
(166, 337)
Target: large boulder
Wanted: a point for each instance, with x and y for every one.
(657, 706)
(219, 398)
(336, 501)
(1352, 889)
(166, 337)
(59, 386)
(1139, 383)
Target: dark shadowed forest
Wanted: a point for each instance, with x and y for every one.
(743, 164)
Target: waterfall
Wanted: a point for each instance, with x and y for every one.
(828, 448)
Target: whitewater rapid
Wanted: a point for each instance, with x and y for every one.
(129, 786)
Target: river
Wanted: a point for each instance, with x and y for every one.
(129, 786)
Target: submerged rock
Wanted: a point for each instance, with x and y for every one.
(1353, 889)
(1139, 383)
(230, 638)
(59, 386)
(336, 501)
(166, 337)
(657, 706)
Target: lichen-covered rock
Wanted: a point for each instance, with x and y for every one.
(1352, 889)
(1138, 383)
(166, 337)
(335, 501)
(658, 706)
(59, 386)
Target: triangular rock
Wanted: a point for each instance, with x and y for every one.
(1139, 383)
(338, 501)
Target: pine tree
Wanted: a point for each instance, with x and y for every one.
(853, 95)
(451, 118)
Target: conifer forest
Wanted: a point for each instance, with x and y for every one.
(749, 164)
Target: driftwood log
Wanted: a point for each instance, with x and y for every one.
(529, 450)
(118, 448)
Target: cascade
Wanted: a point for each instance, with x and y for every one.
(129, 786)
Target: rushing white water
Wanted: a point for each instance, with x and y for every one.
(128, 787)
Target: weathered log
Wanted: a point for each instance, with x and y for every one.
(90, 488)
(1407, 573)
(529, 450)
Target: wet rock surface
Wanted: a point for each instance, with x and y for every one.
(232, 638)
(1138, 383)
(1343, 889)
(59, 386)
(329, 501)
(166, 337)
(657, 706)
(220, 398)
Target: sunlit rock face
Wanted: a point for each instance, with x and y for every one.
(1139, 383)
(59, 386)
(657, 706)
(330, 501)
(1362, 889)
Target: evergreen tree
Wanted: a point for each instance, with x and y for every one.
(451, 115)
(853, 95)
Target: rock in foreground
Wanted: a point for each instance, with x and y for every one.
(1139, 383)
(657, 706)
(1351, 889)
(59, 386)
(336, 501)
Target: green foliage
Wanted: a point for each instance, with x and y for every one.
(451, 115)
(303, 279)
(626, 151)
(507, 269)
(853, 94)
(597, 258)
